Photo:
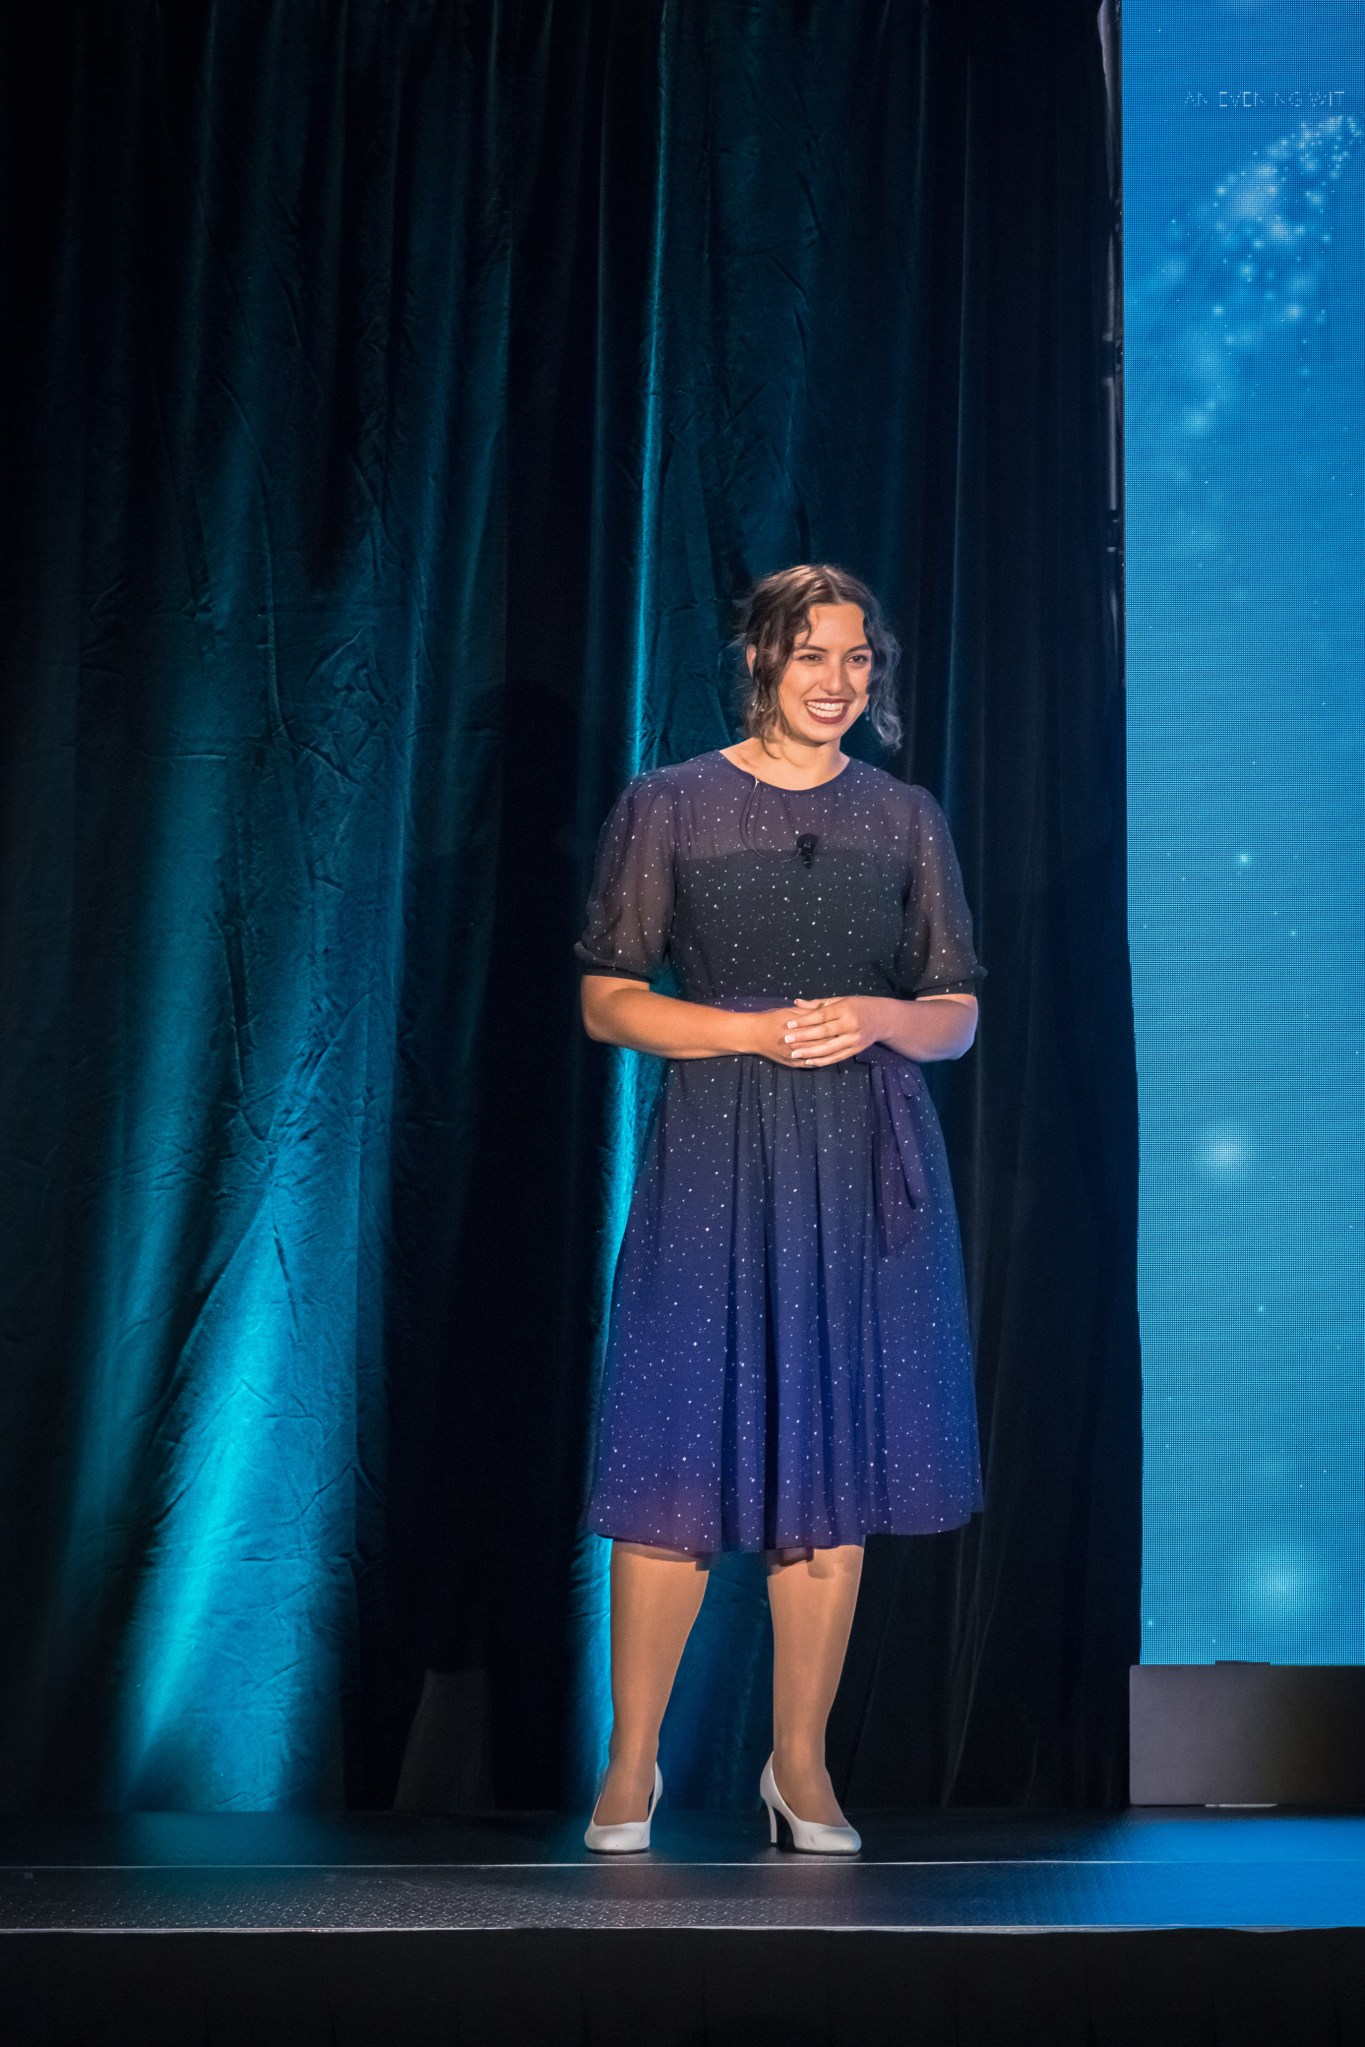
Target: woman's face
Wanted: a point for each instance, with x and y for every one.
(824, 685)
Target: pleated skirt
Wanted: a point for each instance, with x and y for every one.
(788, 1360)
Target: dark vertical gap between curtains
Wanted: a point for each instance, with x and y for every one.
(395, 398)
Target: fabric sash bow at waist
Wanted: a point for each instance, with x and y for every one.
(898, 1171)
(899, 1180)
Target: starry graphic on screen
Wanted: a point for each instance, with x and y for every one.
(1247, 266)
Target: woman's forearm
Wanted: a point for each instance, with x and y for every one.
(934, 1027)
(629, 1013)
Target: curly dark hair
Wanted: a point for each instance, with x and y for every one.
(773, 617)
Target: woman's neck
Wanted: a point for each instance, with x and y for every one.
(788, 766)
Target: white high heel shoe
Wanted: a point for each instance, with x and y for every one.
(625, 1837)
(811, 1835)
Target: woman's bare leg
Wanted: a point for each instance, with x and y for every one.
(656, 1595)
(812, 1599)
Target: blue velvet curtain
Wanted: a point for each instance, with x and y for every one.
(395, 395)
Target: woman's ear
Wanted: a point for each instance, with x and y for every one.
(751, 656)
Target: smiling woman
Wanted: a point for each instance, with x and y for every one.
(788, 1361)
(846, 661)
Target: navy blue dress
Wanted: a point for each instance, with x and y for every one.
(788, 1360)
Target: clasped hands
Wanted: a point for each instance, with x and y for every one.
(819, 1030)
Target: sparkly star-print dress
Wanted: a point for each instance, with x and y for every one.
(788, 1360)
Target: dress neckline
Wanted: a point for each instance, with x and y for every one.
(810, 788)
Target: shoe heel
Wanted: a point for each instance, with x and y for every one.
(772, 1823)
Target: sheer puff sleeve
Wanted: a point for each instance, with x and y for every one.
(630, 906)
(936, 954)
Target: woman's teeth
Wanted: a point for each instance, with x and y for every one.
(828, 708)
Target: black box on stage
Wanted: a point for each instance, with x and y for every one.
(1247, 1734)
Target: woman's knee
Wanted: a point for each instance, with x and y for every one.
(699, 1559)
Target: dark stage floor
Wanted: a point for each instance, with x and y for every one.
(157, 1871)
(1162, 1926)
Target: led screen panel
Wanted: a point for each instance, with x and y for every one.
(1244, 187)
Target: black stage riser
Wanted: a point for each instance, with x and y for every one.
(1247, 1734)
(1178, 1988)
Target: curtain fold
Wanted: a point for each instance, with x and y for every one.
(395, 399)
